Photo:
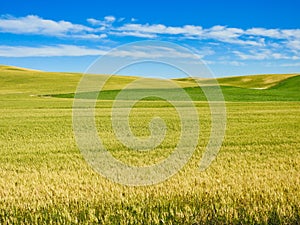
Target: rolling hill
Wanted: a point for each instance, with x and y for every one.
(277, 87)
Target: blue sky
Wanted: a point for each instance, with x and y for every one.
(231, 37)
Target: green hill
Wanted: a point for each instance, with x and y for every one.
(255, 81)
(279, 87)
(285, 88)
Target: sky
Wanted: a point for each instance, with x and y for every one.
(232, 37)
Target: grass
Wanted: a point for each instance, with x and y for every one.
(252, 82)
(284, 90)
(45, 180)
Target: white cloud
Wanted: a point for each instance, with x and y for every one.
(107, 22)
(275, 33)
(73, 50)
(254, 55)
(256, 43)
(259, 42)
(89, 36)
(291, 33)
(225, 62)
(204, 51)
(154, 52)
(291, 64)
(294, 44)
(272, 33)
(162, 29)
(43, 51)
(110, 19)
(35, 25)
(220, 33)
(133, 34)
(262, 55)
(94, 22)
(233, 63)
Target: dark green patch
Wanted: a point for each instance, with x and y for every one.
(287, 90)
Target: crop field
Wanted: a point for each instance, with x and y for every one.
(44, 178)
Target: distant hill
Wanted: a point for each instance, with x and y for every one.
(263, 81)
(270, 87)
(15, 68)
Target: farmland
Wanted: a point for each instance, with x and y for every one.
(45, 179)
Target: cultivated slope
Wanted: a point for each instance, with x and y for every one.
(279, 87)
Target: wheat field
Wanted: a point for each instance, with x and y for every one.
(44, 178)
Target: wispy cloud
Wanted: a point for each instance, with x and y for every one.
(157, 29)
(274, 33)
(107, 21)
(296, 64)
(46, 51)
(263, 54)
(35, 25)
(255, 43)
(294, 44)
(155, 52)
(220, 33)
(134, 52)
(110, 25)
(110, 18)
(94, 22)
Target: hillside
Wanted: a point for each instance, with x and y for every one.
(277, 87)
